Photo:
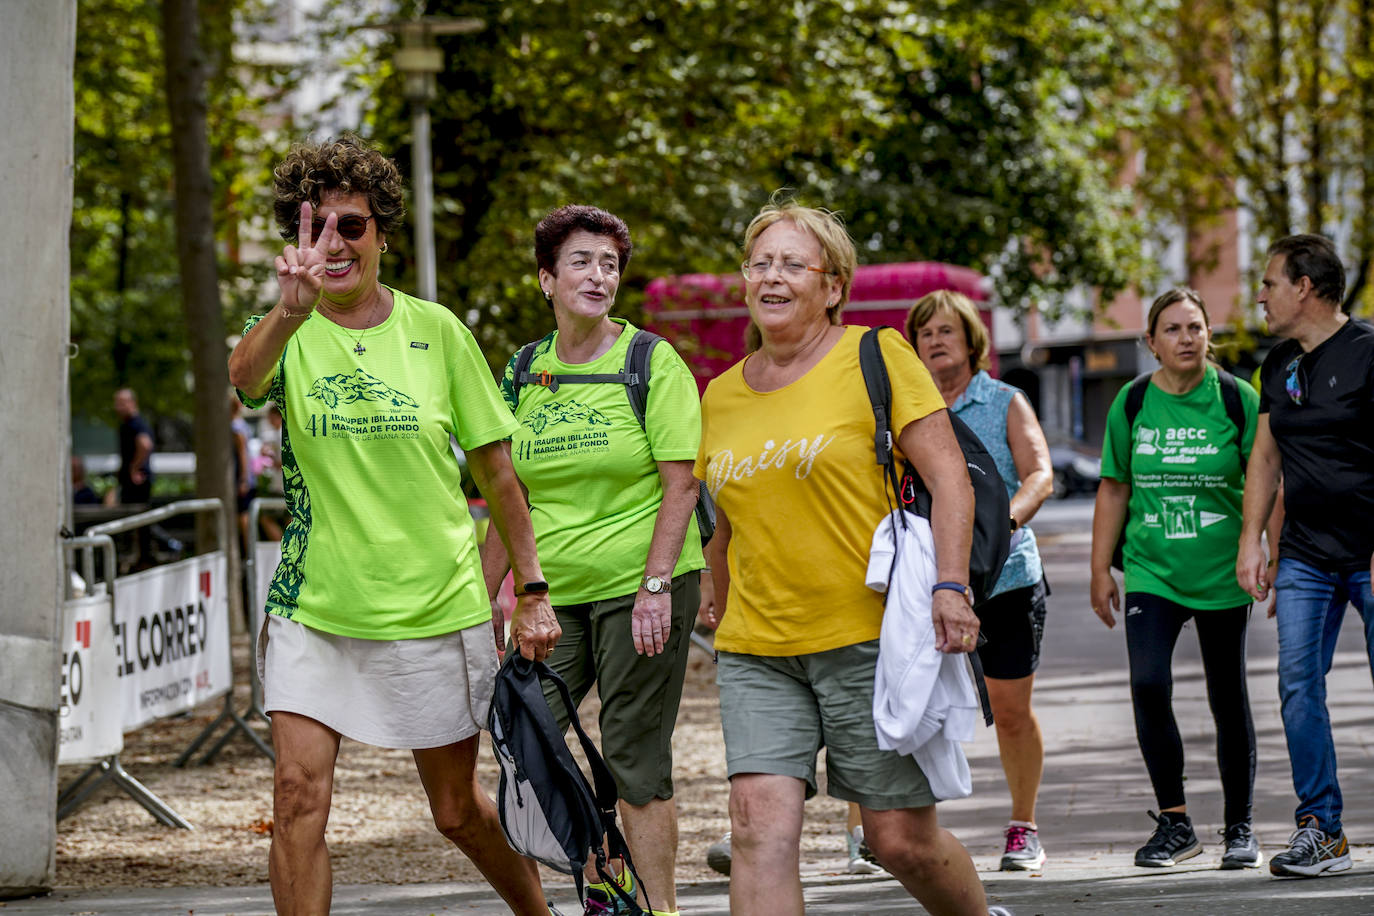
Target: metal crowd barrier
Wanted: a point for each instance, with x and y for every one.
(108, 768)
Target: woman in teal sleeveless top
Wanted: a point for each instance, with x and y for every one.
(950, 338)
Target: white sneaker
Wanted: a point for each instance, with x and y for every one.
(861, 858)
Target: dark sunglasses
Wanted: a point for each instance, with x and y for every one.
(1293, 383)
(351, 227)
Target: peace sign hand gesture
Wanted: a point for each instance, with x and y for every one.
(300, 270)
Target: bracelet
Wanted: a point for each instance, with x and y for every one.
(290, 315)
(706, 569)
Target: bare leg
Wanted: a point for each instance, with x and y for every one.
(303, 781)
(651, 833)
(467, 817)
(1018, 742)
(931, 864)
(765, 827)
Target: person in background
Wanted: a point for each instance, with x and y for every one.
(1315, 434)
(267, 470)
(612, 505)
(787, 452)
(377, 622)
(135, 450)
(239, 434)
(1172, 480)
(950, 338)
(82, 494)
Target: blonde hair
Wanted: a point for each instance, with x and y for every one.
(961, 307)
(837, 248)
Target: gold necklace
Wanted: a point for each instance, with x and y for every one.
(358, 347)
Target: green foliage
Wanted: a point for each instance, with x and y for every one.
(1273, 114)
(126, 308)
(981, 132)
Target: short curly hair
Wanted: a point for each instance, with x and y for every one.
(554, 229)
(346, 164)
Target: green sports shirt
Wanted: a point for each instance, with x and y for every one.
(381, 544)
(1187, 479)
(592, 472)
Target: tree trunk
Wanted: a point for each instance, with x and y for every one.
(186, 102)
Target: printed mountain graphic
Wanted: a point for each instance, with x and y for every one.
(563, 412)
(334, 390)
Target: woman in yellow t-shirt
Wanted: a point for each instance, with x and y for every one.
(787, 452)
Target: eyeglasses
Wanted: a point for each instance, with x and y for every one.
(1293, 383)
(757, 270)
(351, 227)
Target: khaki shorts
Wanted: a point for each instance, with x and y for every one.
(639, 695)
(778, 712)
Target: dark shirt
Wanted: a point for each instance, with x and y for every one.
(129, 431)
(1327, 447)
(85, 496)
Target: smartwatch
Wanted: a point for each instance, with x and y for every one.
(959, 587)
(536, 587)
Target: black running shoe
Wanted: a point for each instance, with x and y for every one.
(1312, 853)
(1172, 842)
(1242, 849)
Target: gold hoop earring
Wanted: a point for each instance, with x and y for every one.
(384, 248)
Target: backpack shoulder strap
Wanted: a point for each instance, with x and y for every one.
(880, 397)
(1235, 410)
(637, 371)
(1135, 397)
(522, 367)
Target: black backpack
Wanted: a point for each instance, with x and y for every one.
(549, 811)
(635, 377)
(1135, 399)
(991, 505)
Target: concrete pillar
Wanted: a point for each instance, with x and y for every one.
(37, 45)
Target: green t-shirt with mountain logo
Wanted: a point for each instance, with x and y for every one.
(592, 472)
(381, 544)
(1187, 478)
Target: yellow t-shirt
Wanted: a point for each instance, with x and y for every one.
(793, 471)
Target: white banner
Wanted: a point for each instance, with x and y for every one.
(172, 636)
(88, 719)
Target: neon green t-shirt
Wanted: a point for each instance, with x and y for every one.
(381, 544)
(592, 473)
(795, 474)
(1187, 480)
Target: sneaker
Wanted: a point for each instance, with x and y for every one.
(1311, 852)
(718, 855)
(1242, 849)
(861, 858)
(601, 899)
(1172, 842)
(1023, 852)
(999, 911)
(553, 910)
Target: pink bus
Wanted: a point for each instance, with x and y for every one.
(705, 318)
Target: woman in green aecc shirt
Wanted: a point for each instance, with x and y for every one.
(1173, 476)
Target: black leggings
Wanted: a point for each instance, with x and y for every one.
(1152, 627)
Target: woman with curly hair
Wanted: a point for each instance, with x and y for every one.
(376, 617)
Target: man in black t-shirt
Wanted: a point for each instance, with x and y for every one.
(135, 449)
(1316, 433)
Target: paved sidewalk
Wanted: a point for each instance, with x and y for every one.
(1092, 818)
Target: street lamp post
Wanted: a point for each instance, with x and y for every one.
(419, 59)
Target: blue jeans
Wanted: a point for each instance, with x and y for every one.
(1311, 604)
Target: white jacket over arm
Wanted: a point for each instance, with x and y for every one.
(924, 702)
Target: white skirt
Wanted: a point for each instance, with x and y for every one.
(405, 693)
